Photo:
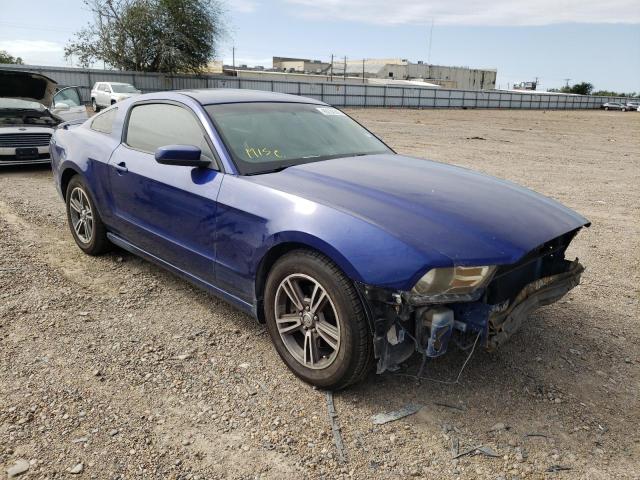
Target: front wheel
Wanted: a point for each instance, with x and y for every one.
(316, 321)
(606, 108)
(94, 105)
(85, 223)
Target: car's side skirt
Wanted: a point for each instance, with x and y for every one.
(224, 295)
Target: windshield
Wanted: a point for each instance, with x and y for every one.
(123, 88)
(265, 137)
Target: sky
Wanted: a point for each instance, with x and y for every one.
(554, 40)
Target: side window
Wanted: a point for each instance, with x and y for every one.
(156, 125)
(103, 123)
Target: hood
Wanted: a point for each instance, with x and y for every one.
(465, 216)
(27, 86)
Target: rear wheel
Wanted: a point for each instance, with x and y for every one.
(316, 321)
(84, 221)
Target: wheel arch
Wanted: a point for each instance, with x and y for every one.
(65, 177)
(296, 241)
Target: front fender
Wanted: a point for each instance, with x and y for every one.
(253, 219)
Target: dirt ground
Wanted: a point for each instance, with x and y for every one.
(113, 368)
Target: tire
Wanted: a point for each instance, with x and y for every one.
(83, 218)
(94, 105)
(113, 102)
(623, 109)
(343, 353)
(606, 108)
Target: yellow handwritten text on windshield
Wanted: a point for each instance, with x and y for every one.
(258, 152)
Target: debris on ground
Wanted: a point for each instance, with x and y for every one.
(21, 466)
(498, 427)
(382, 418)
(335, 428)
(477, 450)
(557, 468)
(449, 405)
(76, 469)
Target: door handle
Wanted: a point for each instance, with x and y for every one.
(121, 167)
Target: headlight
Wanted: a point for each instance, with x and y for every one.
(453, 280)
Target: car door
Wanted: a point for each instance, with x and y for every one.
(68, 105)
(166, 210)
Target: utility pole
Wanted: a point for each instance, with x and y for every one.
(567, 82)
(430, 42)
(233, 56)
(344, 74)
(363, 70)
(331, 70)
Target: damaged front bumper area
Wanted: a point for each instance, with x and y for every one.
(404, 323)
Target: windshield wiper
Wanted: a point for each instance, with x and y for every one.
(273, 170)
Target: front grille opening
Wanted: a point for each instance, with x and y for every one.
(544, 261)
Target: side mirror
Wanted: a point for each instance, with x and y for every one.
(182, 155)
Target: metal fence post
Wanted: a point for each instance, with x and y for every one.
(322, 92)
(384, 104)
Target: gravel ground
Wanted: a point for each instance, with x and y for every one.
(112, 368)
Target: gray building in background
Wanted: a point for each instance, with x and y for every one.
(390, 69)
(300, 65)
(463, 78)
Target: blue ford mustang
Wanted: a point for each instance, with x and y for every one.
(286, 207)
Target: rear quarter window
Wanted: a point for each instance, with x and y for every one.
(103, 122)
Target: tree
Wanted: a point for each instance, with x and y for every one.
(609, 93)
(583, 88)
(6, 57)
(150, 35)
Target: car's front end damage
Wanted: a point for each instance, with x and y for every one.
(486, 307)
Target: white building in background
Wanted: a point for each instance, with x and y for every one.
(392, 70)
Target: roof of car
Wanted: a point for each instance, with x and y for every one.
(211, 96)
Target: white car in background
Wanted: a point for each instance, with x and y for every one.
(30, 110)
(105, 94)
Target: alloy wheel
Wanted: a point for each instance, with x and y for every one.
(307, 321)
(81, 215)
